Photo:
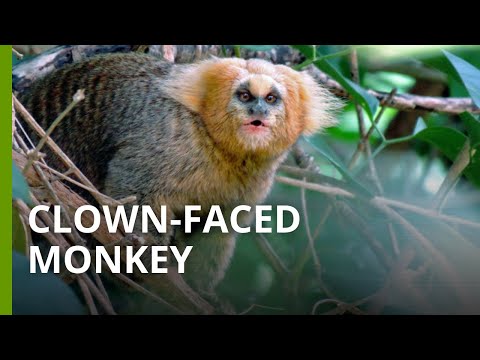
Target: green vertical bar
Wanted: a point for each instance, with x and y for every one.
(6, 179)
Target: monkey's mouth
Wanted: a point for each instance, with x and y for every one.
(256, 127)
(255, 123)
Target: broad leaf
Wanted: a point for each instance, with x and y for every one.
(368, 102)
(41, 294)
(469, 75)
(473, 128)
(359, 94)
(450, 142)
(19, 240)
(324, 149)
(19, 185)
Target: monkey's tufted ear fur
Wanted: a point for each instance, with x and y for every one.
(309, 105)
(320, 106)
(185, 85)
(190, 84)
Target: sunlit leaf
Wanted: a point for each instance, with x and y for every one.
(359, 94)
(469, 75)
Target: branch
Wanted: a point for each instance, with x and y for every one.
(168, 285)
(413, 68)
(404, 102)
(274, 260)
(103, 199)
(28, 71)
(331, 190)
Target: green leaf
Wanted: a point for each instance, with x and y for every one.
(308, 50)
(18, 233)
(450, 142)
(258, 47)
(469, 75)
(359, 94)
(472, 172)
(473, 128)
(324, 149)
(41, 294)
(368, 102)
(19, 185)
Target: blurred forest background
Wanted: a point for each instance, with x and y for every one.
(389, 199)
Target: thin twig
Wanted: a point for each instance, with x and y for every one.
(17, 53)
(454, 173)
(378, 200)
(311, 240)
(274, 260)
(59, 240)
(88, 297)
(364, 144)
(253, 306)
(98, 281)
(312, 176)
(448, 269)
(69, 179)
(79, 96)
(366, 137)
(76, 238)
(342, 306)
(380, 253)
(354, 72)
(148, 293)
(373, 171)
(28, 234)
(330, 190)
(104, 200)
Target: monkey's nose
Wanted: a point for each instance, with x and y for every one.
(260, 111)
(256, 123)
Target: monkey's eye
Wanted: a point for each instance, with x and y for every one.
(244, 96)
(270, 99)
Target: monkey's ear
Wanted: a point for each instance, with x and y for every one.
(191, 85)
(186, 84)
(320, 105)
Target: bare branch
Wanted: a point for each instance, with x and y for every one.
(378, 200)
(28, 71)
(79, 96)
(274, 260)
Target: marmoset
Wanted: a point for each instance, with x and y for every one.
(208, 133)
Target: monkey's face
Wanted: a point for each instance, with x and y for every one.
(257, 113)
(254, 106)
